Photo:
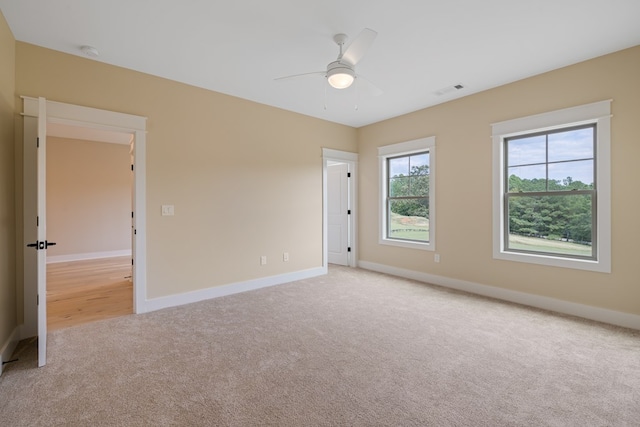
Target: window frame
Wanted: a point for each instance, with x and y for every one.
(592, 193)
(598, 114)
(402, 149)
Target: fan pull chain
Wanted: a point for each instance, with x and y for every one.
(357, 93)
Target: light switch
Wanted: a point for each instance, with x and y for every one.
(167, 210)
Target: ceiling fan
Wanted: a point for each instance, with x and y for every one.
(341, 73)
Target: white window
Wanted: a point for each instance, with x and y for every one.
(407, 192)
(551, 188)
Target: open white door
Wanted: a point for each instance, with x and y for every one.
(338, 213)
(40, 245)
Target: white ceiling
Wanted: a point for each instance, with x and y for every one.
(240, 47)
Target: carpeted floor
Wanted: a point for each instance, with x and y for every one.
(352, 348)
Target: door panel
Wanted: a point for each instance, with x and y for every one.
(337, 216)
(30, 230)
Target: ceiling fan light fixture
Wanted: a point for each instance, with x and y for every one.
(339, 75)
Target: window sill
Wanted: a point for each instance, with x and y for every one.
(406, 244)
(601, 266)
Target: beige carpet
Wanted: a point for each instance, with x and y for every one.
(352, 348)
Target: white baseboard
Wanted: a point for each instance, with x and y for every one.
(224, 290)
(612, 317)
(87, 255)
(6, 351)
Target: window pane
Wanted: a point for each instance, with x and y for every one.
(571, 145)
(527, 178)
(399, 187)
(399, 167)
(409, 219)
(420, 164)
(526, 150)
(559, 224)
(571, 175)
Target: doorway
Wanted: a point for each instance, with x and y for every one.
(339, 207)
(88, 199)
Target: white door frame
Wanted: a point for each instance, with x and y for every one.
(93, 118)
(351, 159)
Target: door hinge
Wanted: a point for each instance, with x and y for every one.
(348, 174)
(38, 142)
(38, 299)
(131, 214)
(349, 249)
(131, 261)
(37, 221)
(348, 211)
(131, 167)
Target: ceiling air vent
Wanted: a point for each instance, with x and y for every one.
(448, 89)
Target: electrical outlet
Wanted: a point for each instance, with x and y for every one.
(285, 257)
(263, 260)
(436, 257)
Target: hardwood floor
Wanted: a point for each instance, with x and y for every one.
(85, 291)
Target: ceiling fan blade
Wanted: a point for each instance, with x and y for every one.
(370, 87)
(359, 46)
(296, 76)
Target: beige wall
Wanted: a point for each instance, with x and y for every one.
(245, 179)
(8, 319)
(88, 197)
(464, 183)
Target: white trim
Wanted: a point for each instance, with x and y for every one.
(612, 317)
(553, 119)
(87, 255)
(9, 347)
(339, 156)
(234, 288)
(597, 112)
(351, 159)
(400, 149)
(139, 239)
(71, 114)
(407, 147)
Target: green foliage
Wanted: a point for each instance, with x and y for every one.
(563, 215)
(415, 185)
(517, 184)
(414, 207)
